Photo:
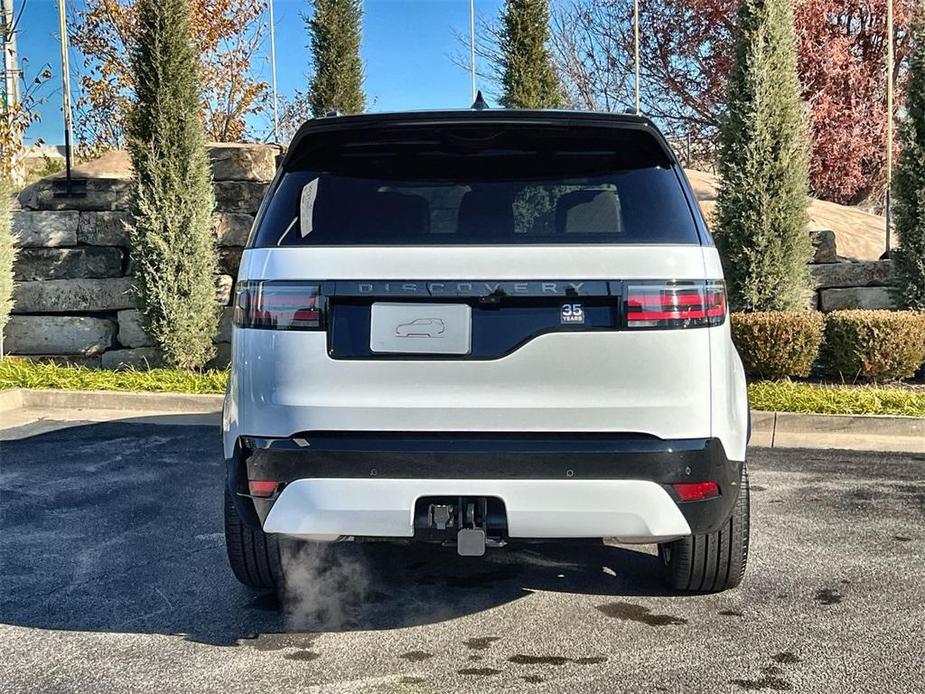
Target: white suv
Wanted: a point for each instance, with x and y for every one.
(479, 327)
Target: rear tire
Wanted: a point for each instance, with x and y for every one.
(711, 562)
(253, 554)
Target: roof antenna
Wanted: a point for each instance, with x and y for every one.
(479, 103)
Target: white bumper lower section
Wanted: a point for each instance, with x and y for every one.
(630, 510)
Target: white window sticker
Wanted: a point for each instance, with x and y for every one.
(307, 207)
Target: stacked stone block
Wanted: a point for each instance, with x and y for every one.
(839, 284)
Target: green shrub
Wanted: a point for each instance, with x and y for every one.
(777, 344)
(909, 208)
(874, 345)
(528, 74)
(334, 35)
(760, 220)
(171, 239)
(50, 166)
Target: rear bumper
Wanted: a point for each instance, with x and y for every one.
(552, 486)
(631, 510)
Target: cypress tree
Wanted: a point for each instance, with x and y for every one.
(909, 186)
(763, 165)
(528, 76)
(334, 40)
(171, 234)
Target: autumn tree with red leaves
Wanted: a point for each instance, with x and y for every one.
(842, 53)
(686, 54)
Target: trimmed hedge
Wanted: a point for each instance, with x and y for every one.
(874, 345)
(777, 344)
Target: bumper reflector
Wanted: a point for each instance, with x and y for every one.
(696, 491)
(262, 488)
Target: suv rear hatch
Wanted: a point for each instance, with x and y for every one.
(504, 272)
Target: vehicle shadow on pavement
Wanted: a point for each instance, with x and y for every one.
(117, 527)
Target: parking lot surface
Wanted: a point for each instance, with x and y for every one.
(113, 579)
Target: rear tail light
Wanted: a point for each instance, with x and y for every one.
(696, 491)
(279, 305)
(262, 488)
(675, 304)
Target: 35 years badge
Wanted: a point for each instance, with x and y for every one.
(572, 313)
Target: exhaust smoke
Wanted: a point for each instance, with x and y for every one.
(326, 584)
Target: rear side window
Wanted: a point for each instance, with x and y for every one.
(480, 186)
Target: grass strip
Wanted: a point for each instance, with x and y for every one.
(780, 396)
(22, 373)
(813, 398)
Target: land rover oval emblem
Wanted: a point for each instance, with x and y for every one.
(572, 313)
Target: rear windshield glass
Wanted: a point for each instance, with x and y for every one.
(480, 186)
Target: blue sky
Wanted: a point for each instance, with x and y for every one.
(407, 48)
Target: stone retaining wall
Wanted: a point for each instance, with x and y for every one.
(73, 273)
(840, 283)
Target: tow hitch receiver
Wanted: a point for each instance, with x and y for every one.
(470, 542)
(466, 518)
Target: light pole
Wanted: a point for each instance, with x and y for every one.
(472, 46)
(889, 123)
(10, 67)
(273, 74)
(636, 49)
(11, 76)
(65, 95)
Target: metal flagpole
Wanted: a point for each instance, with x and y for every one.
(273, 74)
(472, 45)
(10, 63)
(636, 48)
(11, 77)
(65, 95)
(889, 122)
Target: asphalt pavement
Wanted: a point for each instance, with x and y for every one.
(113, 579)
